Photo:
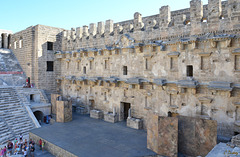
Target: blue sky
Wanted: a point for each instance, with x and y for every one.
(20, 14)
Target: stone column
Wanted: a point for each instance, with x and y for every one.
(114, 111)
(129, 113)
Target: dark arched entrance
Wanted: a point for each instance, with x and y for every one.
(38, 115)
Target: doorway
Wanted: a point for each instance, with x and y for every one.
(124, 111)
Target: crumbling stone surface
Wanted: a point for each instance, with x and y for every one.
(236, 140)
(162, 135)
(196, 136)
(186, 135)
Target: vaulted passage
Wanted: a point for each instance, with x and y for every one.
(38, 115)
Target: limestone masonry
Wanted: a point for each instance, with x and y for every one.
(184, 62)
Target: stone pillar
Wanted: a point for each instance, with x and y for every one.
(164, 17)
(85, 31)
(109, 27)
(79, 32)
(196, 11)
(73, 36)
(63, 111)
(9, 40)
(93, 29)
(129, 113)
(214, 10)
(1, 40)
(100, 28)
(114, 111)
(5, 40)
(138, 24)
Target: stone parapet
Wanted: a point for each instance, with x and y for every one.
(50, 147)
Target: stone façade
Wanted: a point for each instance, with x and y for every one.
(184, 62)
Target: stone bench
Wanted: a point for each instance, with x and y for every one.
(110, 117)
(134, 123)
(96, 114)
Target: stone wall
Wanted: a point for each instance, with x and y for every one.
(30, 48)
(216, 17)
(184, 62)
(157, 78)
(50, 147)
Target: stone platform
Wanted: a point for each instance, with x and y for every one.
(88, 137)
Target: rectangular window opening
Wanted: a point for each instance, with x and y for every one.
(189, 70)
(90, 64)
(84, 70)
(125, 70)
(146, 64)
(49, 65)
(237, 62)
(49, 45)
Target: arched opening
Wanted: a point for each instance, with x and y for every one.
(39, 116)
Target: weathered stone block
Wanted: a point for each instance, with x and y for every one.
(162, 135)
(109, 117)
(64, 111)
(236, 140)
(196, 136)
(134, 123)
(53, 102)
(96, 114)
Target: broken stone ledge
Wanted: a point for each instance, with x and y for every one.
(97, 114)
(110, 117)
(134, 123)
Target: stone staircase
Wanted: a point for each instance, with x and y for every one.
(5, 133)
(11, 72)
(14, 118)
